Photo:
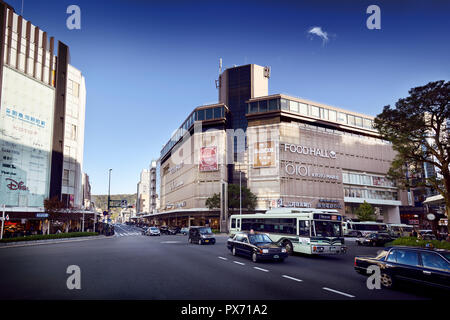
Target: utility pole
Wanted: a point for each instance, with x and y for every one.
(109, 188)
(240, 191)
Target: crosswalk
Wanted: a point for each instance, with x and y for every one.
(127, 234)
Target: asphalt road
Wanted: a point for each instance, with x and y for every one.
(132, 266)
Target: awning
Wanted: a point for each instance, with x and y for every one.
(434, 199)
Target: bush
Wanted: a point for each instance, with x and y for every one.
(215, 230)
(50, 236)
(414, 242)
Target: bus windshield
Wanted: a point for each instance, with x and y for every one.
(327, 229)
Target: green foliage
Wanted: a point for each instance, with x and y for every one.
(418, 130)
(414, 242)
(213, 201)
(365, 212)
(50, 236)
(248, 198)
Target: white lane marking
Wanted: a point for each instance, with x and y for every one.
(222, 258)
(291, 278)
(338, 292)
(265, 270)
(237, 262)
(170, 242)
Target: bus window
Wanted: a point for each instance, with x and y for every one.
(239, 223)
(233, 223)
(303, 228)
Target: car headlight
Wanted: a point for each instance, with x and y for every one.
(283, 250)
(203, 236)
(265, 251)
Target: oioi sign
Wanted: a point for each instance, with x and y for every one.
(305, 171)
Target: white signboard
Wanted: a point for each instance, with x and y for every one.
(26, 121)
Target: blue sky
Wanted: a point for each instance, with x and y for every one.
(149, 63)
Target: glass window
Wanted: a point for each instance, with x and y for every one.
(342, 117)
(253, 107)
(315, 111)
(218, 112)
(293, 106)
(200, 115)
(351, 120)
(358, 121)
(273, 104)
(263, 106)
(407, 257)
(332, 115)
(367, 123)
(284, 104)
(303, 228)
(209, 114)
(303, 109)
(392, 256)
(324, 113)
(434, 261)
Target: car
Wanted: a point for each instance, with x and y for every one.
(374, 239)
(423, 266)
(257, 246)
(164, 229)
(427, 234)
(184, 231)
(201, 235)
(174, 230)
(152, 231)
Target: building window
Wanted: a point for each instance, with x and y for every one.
(284, 104)
(263, 106)
(65, 181)
(218, 112)
(358, 121)
(201, 115)
(73, 132)
(253, 107)
(75, 89)
(293, 106)
(209, 114)
(315, 111)
(351, 120)
(332, 115)
(304, 109)
(342, 117)
(273, 104)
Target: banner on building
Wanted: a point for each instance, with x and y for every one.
(263, 154)
(208, 159)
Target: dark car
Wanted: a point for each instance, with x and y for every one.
(374, 240)
(201, 235)
(257, 246)
(417, 265)
(174, 230)
(164, 229)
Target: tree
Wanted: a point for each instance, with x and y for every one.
(53, 205)
(213, 201)
(419, 130)
(365, 212)
(248, 198)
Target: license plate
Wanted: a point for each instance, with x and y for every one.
(276, 256)
(332, 248)
(206, 240)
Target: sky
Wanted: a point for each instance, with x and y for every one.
(148, 64)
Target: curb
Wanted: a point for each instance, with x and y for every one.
(49, 241)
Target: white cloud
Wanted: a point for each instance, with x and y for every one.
(320, 33)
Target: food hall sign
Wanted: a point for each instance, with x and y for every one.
(322, 153)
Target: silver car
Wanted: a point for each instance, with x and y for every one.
(152, 231)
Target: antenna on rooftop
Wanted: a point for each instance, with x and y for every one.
(21, 12)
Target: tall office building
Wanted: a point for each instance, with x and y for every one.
(143, 193)
(41, 120)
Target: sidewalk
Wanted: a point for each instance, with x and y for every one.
(49, 241)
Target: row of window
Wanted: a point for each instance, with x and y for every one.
(366, 179)
(370, 193)
(309, 110)
(285, 226)
(199, 115)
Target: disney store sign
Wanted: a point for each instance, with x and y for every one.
(14, 185)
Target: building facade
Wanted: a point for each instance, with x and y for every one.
(143, 193)
(41, 124)
(290, 152)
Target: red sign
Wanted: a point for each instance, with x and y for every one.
(208, 159)
(14, 185)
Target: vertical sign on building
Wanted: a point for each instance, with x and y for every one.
(208, 159)
(263, 154)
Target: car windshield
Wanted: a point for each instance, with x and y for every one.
(154, 229)
(259, 238)
(205, 230)
(446, 255)
(327, 229)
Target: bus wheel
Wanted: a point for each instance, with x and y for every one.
(288, 246)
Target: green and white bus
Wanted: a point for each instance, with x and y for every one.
(309, 231)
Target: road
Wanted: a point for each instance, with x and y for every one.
(132, 266)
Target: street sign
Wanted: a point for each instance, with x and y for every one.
(115, 203)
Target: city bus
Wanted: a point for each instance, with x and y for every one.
(400, 230)
(363, 228)
(308, 231)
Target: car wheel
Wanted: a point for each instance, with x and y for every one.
(254, 257)
(288, 246)
(199, 242)
(233, 251)
(386, 280)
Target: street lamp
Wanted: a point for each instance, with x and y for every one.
(109, 188)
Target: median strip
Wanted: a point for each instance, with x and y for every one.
(237, 262)
(291, 278)
(261, 269)
(338, 292)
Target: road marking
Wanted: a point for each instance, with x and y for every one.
(265, 270)
(338, 292)
(222, 258)
(291, 278)
(237, 262)
(170, 242)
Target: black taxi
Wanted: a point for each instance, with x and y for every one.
(257, 246)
